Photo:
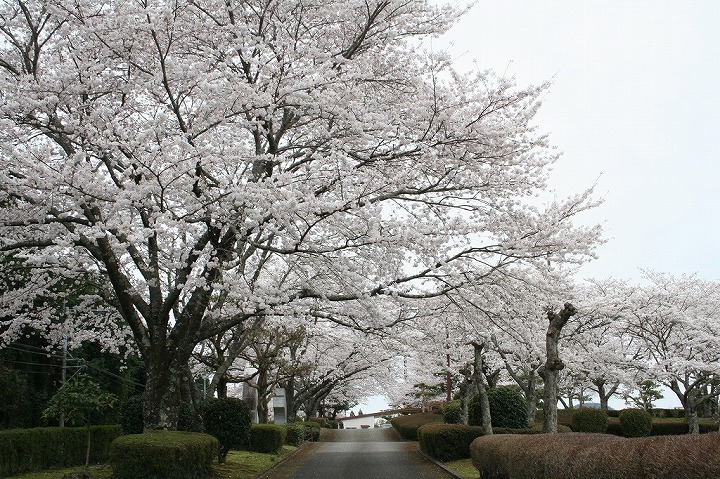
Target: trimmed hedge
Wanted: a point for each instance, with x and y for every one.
(228, 419)
(508, 407)
(589, 420)
(635, 423)
(596, 456)
(451, 412)
(447, 442)
(266, 438)
(24, 450)
(295, 434)
(407, 426)
(163, 455)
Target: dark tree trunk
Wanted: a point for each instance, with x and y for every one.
(161, 399)
(550, 371)
(290, 408)
(222, 387)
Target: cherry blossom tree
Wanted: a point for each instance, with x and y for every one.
(299, 155)
(605, 356)
(675, 319)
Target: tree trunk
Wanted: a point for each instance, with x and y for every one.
(692, 420)
(86, 469)
(222, 387)
(290, 407)
(161, 399)
(486, 420)
(466, 393)
(550, 371)
(530, 394)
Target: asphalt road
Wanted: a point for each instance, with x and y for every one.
(358, 454)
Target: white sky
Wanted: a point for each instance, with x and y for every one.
(635, 106)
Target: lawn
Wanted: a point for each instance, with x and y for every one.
(239, 465)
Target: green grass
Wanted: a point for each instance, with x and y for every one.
(239, 465)
(246, 464)
(463, 468)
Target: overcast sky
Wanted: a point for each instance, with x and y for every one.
(634, 106)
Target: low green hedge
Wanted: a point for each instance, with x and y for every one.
(589, 420)
(407, 426)
(447, 442)
(596, 456)
(266, 438)
(163, 455)
(24, 450)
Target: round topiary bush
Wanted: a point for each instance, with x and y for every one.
(635, 423)
(589, 420)
(228, 419)
(451, 412)
(507, 407)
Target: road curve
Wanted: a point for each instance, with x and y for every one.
(358, 454)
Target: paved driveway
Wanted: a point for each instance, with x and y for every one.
(358, 454)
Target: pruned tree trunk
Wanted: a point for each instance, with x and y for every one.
(482, 395)
(550, 371)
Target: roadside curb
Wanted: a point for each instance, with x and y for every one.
(439, 464)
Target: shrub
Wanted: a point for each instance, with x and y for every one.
(163, 455)
(227, 419)
(635, 423)
(321, 421)
(24, 450)
(131, 415)
(407, 426)
(296, 434)
(187, 421)
(507, 407)
(312, 432)
(447, 442)
(596, 456)
(589, 420)
(266, 438)
(451, 412)
(535, 429)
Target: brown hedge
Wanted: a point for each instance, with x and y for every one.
(596, 456)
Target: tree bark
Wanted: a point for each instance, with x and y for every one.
(531, 398)
(482, 395)
(550, 371)
(161, 399)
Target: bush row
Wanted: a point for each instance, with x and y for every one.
(163, 455)
(407, 426)
(23, 450)
(447, 442)
(631, 423)
(596, 456)
(267, 438)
